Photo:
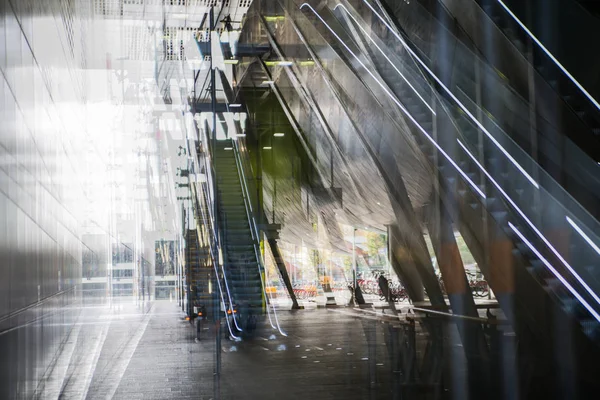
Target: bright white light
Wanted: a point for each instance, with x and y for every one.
(461, 105)
(267, 148)
(401, 106)
(555, 272)
(536, 230)
(267, 82)
(583, 235)
(387, 58)
(228, 148)
(240, 135)
(279, 134)
(235, 105)
(536, 40)
(285, 63)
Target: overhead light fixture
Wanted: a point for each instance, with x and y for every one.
(282, 63)
(279, 134)
(306, 63)
(241, 135)
(228, 148)
(273, 18)
(235, 105)
(267, 82)
(232, 61)
(267, 148)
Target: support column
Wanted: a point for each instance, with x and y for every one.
(404, 266)
(459, 294)
(283, 271)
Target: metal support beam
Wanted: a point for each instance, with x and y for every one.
(283, 271)
(404, 265)
(460, 297)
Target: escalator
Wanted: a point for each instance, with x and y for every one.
(582, 103)
(506, 193)
(540, 259)
(198, 274)
(540, 109)
(238, 242)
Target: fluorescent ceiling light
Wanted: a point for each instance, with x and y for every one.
(267, 148)
(228, 148)
(279, 134)
(267, 82)
(241, 135)
(231, 61)
(273, 18)
(235, 105)
(280, 63)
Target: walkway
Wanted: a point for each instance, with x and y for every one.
(149, 352)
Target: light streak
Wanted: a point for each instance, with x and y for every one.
(386, 57)
(583, 235)
(556, 273)
(460, 104)
(536, 230)
(549, 54)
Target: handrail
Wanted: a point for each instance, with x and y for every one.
(255, 235)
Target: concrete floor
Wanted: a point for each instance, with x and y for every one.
(147, 351)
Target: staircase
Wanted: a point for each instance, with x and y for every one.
(238, 244)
